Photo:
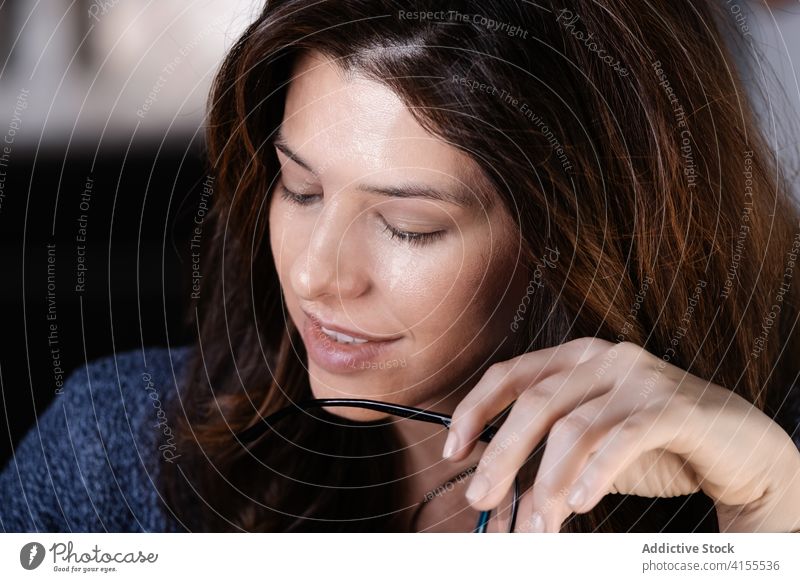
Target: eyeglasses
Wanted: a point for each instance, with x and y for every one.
(255, 431)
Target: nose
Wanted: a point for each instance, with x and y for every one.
(333, 264)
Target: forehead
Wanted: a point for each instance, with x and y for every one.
(335, 117)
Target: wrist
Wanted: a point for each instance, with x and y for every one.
(777, 510)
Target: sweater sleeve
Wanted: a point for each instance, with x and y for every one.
(90, 462)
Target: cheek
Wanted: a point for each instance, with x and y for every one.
(441, 290)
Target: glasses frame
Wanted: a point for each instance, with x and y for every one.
(258, 429)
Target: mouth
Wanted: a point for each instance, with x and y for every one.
(340, 350)
(341, 338)
(343, 334)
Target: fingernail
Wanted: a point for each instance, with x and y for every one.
(478, 488)
(450, 445)
(576, 496)
(537, 523)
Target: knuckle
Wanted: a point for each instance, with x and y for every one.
(583, 344)
(529, 399)
(655, 402)
(458, 414)
(572, 425)
(488, 466)
(468, 407)
(547, 389)
(466, 410)
(502, 442)
(635, 423)
(664, 401)
(498, 372)
(629, 350)
(585, 347)
(536, 398)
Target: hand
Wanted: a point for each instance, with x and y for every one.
(621, 420)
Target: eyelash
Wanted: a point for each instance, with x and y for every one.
(411, 238)
(294, 197)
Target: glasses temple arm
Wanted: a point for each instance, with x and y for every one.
(254, 431)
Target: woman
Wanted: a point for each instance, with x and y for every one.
(558, 217)
(602, 201)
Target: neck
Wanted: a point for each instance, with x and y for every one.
(424, 467)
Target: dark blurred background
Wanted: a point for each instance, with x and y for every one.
(101, 116)
(102, 159)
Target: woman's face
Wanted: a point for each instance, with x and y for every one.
(387, 234)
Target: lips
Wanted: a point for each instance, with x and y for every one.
(330, 326)
(342, 338)
(340, 350)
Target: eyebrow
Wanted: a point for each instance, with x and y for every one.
(280, 143)
(459, 197)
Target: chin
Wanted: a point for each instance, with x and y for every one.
(360, 415)
(319, 391)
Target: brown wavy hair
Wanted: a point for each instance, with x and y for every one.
(637, 152)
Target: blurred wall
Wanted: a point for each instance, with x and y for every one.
(101, 176)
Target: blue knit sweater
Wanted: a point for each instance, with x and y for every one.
(92, 461)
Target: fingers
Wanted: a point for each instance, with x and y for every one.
(570, 443)
(504, 382)
(623, 444)
(536, 410)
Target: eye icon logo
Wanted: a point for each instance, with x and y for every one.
(31, 555)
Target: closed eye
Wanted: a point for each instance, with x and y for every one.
(296, 197)
(411, 238)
